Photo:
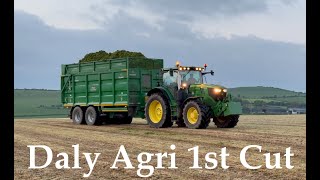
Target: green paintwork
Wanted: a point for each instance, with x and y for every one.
(222, 107)
(234, 108)
(111, 83)
(172, 100)
(116, 85)
(114, 109)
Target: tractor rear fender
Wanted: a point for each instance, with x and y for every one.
(166, 93)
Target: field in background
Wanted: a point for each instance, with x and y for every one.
(261, 91)
(46, 103)
(42, 103)
(269, 100)
(274, 133)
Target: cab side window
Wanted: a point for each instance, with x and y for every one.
(169, 80)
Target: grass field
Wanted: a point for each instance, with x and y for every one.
(274, 133)
(260, 91)
(33, 103)
(30, 103)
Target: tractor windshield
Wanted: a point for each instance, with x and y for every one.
(191, 77)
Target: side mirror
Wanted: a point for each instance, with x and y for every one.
(211, 72)
(171, 72)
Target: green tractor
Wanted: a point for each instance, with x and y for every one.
(185, 99)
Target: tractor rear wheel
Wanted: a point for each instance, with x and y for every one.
(196, 115)
(92, 117)
(157, 111)
(226, 121)
(78, 116)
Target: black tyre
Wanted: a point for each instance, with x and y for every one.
(157, 111)
(180, 123)
(196, 115)
(92, 116)
(77, 116)
(226, 121)
(127, 120)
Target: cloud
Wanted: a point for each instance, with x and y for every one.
(39, 51)
(181, 8)
(268, 19)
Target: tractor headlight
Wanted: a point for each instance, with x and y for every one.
(217, 93)
(217, 90)
(184, 85)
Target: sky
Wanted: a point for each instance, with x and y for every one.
(245, 42)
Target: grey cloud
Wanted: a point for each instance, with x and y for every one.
(39, 50)
(183, 9)
(289, 2)
(178, 11)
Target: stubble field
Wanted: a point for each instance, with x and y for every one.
(274, 133)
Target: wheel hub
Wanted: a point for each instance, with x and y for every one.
(192, 115)
(155, 111)
(77, 117)
(90, 117)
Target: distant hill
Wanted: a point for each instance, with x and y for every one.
(268, 94)
(268, 99)
(260, 92)
(46, 103)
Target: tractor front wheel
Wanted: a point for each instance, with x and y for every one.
(196, 115)
(157, 111)
(226, 121)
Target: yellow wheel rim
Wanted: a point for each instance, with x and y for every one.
(192, 115)
(155, 111)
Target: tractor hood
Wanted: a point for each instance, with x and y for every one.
(216, 92)
(206, 86)
(218, 98)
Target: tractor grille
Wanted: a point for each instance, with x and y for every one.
(216, 96)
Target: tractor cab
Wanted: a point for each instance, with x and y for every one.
(189, 77)
(183, 76)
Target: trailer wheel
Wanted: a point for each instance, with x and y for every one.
(92, 117)
(77, 116)
(196, 115)
(157, 111)
(226, 121)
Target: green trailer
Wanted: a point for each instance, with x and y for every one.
(116, 90)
